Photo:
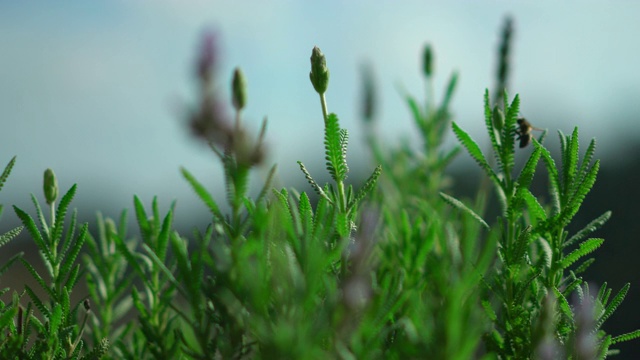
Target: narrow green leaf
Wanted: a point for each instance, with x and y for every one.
(7, 171)
(554, 180)
(474, 151)
(488, 120)
(344, 141)
(9, 235)
(306, 213)
(529, 169)
(570, 162)
(77, 246)
(368, 186)
(536, 211)
(267, 184)
(163, 236)
(626, 337)
(203, 194)
(563, 304)
(613, 305)
(39, 279)
(61, 213)
(589, 229)
(37, 302)
(508, 133)
(336, 164)
(462, 207)
(583, 267)
(585, 248)
(313, 183)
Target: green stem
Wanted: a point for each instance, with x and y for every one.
(323, 103)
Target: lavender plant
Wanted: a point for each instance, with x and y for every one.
(395, 269)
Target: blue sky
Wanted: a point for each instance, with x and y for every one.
(94, 90)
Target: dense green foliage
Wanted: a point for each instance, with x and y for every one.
(393, 267)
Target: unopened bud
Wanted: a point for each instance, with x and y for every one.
(427, 61)
(50, 186)
(498, 118)
(319, 74)
(239, 89)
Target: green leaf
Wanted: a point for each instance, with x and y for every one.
(306, 213)
(39, 279)
(554, 180)
(563, 304)
(508, 132)
(313, 183)
(488, 120)
(77, 246)
(589, 229)
(585, 248)
(529, 169)
(581, 192)
(336, 163)
(204, 195)
(536, 211)
(462, 207)
(37, 302)
(626, 337)
(613, 305)
(61, 213)
(368, 186)
(583, 267)
(7, 171)
(586, 160)
(267, 184)
(570, 162)
(474, 151)
(9, 235)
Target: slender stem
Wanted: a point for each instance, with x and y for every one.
(323, 103)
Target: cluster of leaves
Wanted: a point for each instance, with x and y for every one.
(394, 268)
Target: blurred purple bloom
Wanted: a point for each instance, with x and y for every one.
(207, 55)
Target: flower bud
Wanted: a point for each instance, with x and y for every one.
(319, 74)
(50, 186)
(427, 60)
(498, 118)
(239, 89)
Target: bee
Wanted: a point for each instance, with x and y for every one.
(524, 132)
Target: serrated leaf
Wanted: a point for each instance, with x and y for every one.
(61, 213)
(474, 151)
(570, 162)
(462, 207)
(613, 305)
(589, 229)
(626, 337)
(529, 169)
(554, 180)
(9, 235)
(585, 248)
(336, 164)
(368, 186)
(536, 211)
(204, 195)
(508, 133)
(7, 171)
(77, 246)
(313, 183)
(488, 120)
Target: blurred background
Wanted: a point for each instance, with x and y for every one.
(98, 91)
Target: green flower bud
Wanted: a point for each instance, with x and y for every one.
(427, 61)
(319, 74)
(239, 89)
(50, 186)
(498, 118)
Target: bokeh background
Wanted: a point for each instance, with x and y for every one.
(98, 92)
